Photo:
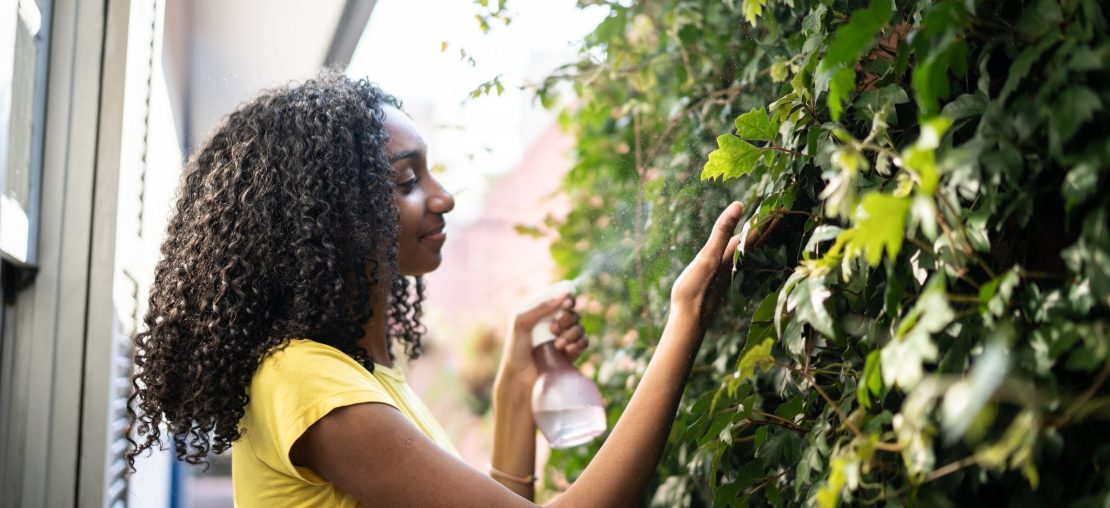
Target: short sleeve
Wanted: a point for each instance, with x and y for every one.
(295, 387)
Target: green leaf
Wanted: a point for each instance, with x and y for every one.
(874, 100)
(964, 106)
(1015, 447)
(1080, 184)
(1092, 352)
(873, 373)
(829, 495)
(1074, 107)
(779, 71)
(763, 324)
(1022, 65)
(781, 448)
(902, 357)
(812, 24)
(855, 37)
(995, 295)
(837, 69)
(810, 305)
(841, 86)
(756, 125)
(1039, 18)
(782, 299)
(746, 477)
(1084, 59)
(965, 398)
(930, 77)
(756, 357)
(822, 233)
(753, 9)
(880, 226)
(790, 408)
(733, 159)
(921, 156)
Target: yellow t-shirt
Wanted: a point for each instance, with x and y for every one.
(292, 389)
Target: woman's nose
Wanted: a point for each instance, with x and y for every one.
(442, 201)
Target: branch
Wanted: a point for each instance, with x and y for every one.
(949, 468)
(767, 480)
(786, 150)
(1074, 407)
(783, 422)
(888, 447)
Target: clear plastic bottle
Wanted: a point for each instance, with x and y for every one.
(567, 405)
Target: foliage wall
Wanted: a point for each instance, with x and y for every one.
(926, 321)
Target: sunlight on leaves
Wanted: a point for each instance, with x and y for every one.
(880, 226)
(733, 158)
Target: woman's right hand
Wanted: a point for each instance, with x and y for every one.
(698, 291)
(516, 366)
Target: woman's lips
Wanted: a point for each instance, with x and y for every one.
(436, 238)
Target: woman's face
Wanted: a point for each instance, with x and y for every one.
(420, 198)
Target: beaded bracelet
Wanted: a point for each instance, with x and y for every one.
(497, 473)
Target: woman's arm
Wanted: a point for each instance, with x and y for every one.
(514, 435)
(619, 473)
(514, 430)
(371, 451)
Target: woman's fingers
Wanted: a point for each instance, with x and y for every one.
(733, 244)
(759, 235)
(722, 235)
(720, 245)
(694, 290)
(572, 342)
(563, 320)
(569, 302)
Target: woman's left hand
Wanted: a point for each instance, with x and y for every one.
(517, 368)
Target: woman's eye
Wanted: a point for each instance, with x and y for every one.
(410, 185)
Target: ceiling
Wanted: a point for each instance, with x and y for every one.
(237, 47)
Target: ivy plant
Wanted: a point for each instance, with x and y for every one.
(926, 317)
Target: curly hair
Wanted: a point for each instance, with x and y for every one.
(285, 224)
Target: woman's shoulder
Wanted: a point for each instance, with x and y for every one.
(303, 360)
(308, 374)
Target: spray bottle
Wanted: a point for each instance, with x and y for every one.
(567, 405)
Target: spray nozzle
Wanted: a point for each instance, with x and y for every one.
(559, 288)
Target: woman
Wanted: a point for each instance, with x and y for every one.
(284, 283)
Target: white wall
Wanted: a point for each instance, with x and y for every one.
(150, 164)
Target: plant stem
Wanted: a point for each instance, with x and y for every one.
(963, 298)
(889, 447)
(767, 480)
(784, 422)
(949, 468)
(786, 150)
(1090, 392)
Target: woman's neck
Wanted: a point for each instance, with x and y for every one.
(375, 341)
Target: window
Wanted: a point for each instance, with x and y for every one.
(22, 69)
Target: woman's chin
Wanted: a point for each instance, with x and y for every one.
(423, 268)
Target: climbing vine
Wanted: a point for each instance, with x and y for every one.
(924, 317)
